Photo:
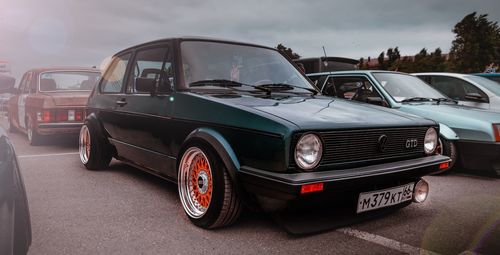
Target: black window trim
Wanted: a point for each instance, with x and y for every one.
(460, 79)
(156, 45)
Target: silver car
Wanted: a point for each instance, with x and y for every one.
(467, 89)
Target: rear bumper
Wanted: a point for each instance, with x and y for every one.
(59, 128)
(283, 186)
(480, 156)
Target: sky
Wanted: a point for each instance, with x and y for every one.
(35, 33)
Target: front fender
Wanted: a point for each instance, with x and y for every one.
(220, 145)
(447, 132)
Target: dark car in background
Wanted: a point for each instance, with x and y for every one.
(51, 101)
(15, 223)
(5, 94)
(236, 123)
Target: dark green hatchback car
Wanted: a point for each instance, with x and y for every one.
(237, 124)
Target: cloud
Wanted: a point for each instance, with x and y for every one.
(85, 32)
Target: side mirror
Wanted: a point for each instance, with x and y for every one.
(476, 97)
(145, 85)
(7, 84)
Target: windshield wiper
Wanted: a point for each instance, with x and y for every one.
(416, 99)
(226, 84)
(284, 86)
(444, 99)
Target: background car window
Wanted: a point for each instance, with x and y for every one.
(489, 84)
(149, 64)
(68, 81)
(455, 88)
(22, 83)
(112, 81)
(354, 88)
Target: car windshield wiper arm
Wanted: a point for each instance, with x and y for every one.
(417, 99)
(226, 84)
(284, 86)
(444, 99)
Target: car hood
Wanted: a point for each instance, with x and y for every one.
(68, 98)
(320, 112)
(468, 122)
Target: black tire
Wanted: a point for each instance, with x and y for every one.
(225, 205)
(34, 137)
(97, 154)
(450, 150)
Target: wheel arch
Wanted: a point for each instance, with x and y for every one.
(447, 133)
(221, 147)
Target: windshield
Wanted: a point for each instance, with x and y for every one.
(205, 61)
(403, 86)
(492, 86)
(68, 81)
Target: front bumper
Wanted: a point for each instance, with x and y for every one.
(480, 156)
(59, 128)
(284, 186)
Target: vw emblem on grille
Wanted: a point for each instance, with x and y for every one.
(382, 143)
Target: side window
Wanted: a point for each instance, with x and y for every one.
(112, 81)
(33, 82)
(455, 88)
(353, 88)
(22, 83)
(153, 67)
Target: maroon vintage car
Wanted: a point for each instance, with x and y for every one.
(51, 101)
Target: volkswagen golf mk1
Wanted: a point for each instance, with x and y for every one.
(237, 124)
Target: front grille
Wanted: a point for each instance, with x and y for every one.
(361, 147)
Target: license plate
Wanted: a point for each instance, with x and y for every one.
(382, 198)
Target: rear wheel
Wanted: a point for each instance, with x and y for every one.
(447, 148)
(93, 148)
(33, 137)
(206, 191)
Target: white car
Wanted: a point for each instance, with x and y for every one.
(467, 89)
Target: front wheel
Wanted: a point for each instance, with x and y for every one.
(447, 148)
(206, 191)
(93, 148)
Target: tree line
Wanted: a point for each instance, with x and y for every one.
(476, 45)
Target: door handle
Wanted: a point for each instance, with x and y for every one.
(121, 102)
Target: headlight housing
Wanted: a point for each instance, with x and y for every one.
(308, 151)
(430, 141)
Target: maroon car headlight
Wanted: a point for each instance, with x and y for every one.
(308, 151)
(430, 141)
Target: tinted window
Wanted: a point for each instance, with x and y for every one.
(245, 64)
(112, 81)
(150, 64)
(455, 88)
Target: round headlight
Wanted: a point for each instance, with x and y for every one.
(308, 151)
(430, 141)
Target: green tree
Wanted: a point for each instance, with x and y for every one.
(381, 61)
(288, 51)
(476, 44)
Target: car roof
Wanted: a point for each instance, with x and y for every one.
(487, 74)
(63, 68)
(355, 72)
(459, 75)
(194, 38)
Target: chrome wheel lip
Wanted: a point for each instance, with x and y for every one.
(84, 144)
(30, 131)
(190, 205)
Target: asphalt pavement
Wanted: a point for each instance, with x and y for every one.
(125, 211)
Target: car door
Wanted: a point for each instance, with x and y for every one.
(109, 92)
(21, 100)
(458, 89)
(143, 125)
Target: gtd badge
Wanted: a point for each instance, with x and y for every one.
(411, 143)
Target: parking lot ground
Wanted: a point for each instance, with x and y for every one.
(125, 211)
